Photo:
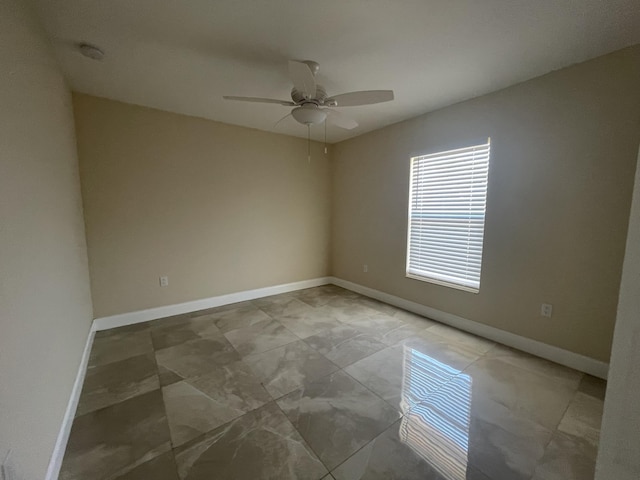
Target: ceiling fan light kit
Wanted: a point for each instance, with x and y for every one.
(311, 100)
(309, 114)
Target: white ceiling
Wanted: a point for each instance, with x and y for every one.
(183, 55)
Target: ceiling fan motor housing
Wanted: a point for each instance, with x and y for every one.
(298, 97)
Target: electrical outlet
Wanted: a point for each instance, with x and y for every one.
(365, 268)
(546, 310)
(164, 281)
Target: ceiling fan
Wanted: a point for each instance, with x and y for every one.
(310, 99)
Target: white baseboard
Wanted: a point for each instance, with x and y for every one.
(555, 354)
(63, 436)
(139, 316)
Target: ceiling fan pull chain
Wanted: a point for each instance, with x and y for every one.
(309, 143)
(325, 137)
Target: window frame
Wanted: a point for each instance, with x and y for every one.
(438, 281)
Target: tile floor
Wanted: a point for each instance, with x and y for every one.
(325, 384)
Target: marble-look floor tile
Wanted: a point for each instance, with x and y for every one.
(535, 364)
(414, 319)
(196, 357)
(567, 458)
(583, 418)
(439, 348)
(336, 415)
(347, 309)
(115, 382)
(344, 345)
(400, 333)
(287, 368)
(400, 452)
(465, 340)
(402, 375)
(233, 319)
(319, 296)
(200, 404)
(115, 440)
(167, 377)
(259, 445)
(167, 334)
(162, 467)
(502, 444)
(595, 387)
(120, 343)
(524, 392)
(377, 325)
(308, 322)
(286, 304)
(260, 337)
(377, 305)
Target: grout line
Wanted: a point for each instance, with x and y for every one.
(304, 439)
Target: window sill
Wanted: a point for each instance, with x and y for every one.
(442, 283)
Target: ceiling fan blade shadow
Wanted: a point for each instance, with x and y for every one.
(365, 97)
(302, 78)
(340, 120)
(286, 103)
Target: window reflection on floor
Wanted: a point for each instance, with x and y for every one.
(436, 403)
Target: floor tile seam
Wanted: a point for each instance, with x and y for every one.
(300, 387)
(341, 367)
(264, 351)
(533, 370)
(268, 350)
(402, 414)
(366, 444)
(459, 345)
(100, 365)
(178, 449)
(278, 322)
(537, 462)
(157, 375)
(198, 337)
(358, 382)
(522, 416)
(306, 442)
(546, 378)
(322, 354)
(553, 434)
(557, 429)
(117, 403)
(525, 417)
(129, 468)
(430, 395)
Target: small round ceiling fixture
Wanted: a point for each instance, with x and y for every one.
(91, 51)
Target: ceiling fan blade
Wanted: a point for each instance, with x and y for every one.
(340, 120)
(365, 97)
(302, 78)
(286, 103)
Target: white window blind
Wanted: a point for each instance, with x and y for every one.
(447, 202)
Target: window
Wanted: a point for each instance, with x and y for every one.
(447, 200)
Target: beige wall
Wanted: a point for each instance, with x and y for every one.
(619, 453)
(563, 154)
(217, 208)
(45, 304)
